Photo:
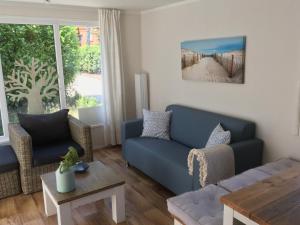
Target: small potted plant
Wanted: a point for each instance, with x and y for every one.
(65, 176)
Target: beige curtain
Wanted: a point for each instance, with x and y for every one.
(113, 77)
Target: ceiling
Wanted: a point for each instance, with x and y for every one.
(137, 5)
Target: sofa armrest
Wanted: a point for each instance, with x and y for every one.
(81, 134)
(248, 154)
(21, 143)
(131, 129)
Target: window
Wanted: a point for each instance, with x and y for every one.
(82, 74)
(29, 69)
(46, 67)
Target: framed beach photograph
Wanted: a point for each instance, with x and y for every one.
(220, 60)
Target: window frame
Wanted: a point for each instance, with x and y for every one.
(55, 23)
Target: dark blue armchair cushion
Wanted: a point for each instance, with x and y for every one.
(46, 128)
(8, 159)
(192, 127)
(52, 153)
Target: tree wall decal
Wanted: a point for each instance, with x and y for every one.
(35, 82)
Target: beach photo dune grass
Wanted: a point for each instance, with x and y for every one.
(214, 60)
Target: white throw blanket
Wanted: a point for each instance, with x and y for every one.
(215, 163)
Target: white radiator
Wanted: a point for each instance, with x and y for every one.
(141, 93)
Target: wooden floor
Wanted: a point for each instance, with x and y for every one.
(145, 201)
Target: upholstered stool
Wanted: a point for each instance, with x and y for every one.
(9, 172)
(202, 207)
(243, 180)
(279, 166)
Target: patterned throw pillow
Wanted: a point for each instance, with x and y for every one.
(218, 136)
(156, 124)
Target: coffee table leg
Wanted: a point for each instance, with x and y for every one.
(118, 205)
(228, 216)
(64, 214)
(50, 208)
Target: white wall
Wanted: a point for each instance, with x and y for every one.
(130, 29)
(272, 63)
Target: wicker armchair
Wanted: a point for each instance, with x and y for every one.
(21, 142)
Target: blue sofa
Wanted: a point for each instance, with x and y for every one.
(166, 161)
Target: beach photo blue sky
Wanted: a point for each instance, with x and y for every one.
(216, 45)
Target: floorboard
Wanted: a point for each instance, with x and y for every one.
(145, 201)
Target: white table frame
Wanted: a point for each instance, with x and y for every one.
(230, 214)
(64, 211)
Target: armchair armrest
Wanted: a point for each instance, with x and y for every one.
(131, 129)
(21, 143)
(81, 134)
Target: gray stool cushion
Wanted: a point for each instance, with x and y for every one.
(243, 180)
(276, 167)
(8, 159)
(202, 207)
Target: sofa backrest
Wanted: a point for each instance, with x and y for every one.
(192, 127)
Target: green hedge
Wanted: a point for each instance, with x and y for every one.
(90, 59)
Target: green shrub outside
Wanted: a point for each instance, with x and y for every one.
(85, 102)
(90, 59)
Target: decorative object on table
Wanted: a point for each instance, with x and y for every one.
(65, 177)
(220, 60)
(81, 167)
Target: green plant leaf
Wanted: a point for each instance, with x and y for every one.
(69, 160)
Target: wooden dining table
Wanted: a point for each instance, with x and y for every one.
(274, 201)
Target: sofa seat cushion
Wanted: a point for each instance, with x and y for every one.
(201, 207)
(52, 153)
(163, 160)
(168, 150)
(8, 159)
(243, 180)
(279, 166)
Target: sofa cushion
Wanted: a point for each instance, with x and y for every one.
(192, 127)
(279, 166)
(52, 153)
(218, 136)
(156, 124)
(165, 161)
(8, 159)
(46, 128)
(202, 207)
(243, 180)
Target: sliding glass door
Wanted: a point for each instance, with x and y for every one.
(29, 69)
(48, 67)
(82, 75)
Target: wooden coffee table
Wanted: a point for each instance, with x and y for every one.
(99, 182)
(274, 201)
